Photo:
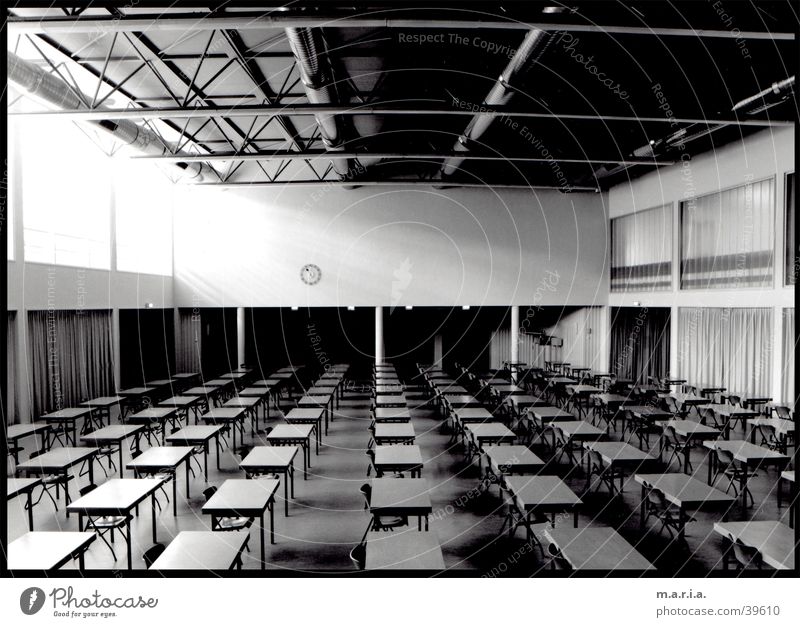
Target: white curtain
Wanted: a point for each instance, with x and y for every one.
(585, 336)
(641, 251)
(730, 347)
(530, 351)
(188, 356)
(727, 238)
(12, 408)
(789, 349)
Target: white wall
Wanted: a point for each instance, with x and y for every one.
(379, 246)
(769, 153)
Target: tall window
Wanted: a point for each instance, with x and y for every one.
(143, 201)
(727, 238)
(792, 257)
(66, 191)
(641, 251)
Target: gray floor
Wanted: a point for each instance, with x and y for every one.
(327, 518)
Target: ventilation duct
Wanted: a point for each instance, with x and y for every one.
(533, 46)
(312, 60)
(56, 92)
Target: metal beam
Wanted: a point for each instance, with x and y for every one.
(377, 109)
(398, 183)
(320, 154)
(206, 21)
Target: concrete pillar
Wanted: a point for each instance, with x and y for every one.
(775, 360)
(115, 333)
(437, 350)
(239, 336)
(674, 342)
(514, 340)
(379, 351)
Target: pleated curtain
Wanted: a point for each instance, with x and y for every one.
(729, 347)
(12, 407)
(190, 341)
(788, 356)
(71, 357)
(640, 339)
(792, 261)
(641, 251)
(727, 238)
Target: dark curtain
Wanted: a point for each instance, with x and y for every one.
(71, 356)
(10, 404)
(792, 260)
(640, 342)
(147, 345)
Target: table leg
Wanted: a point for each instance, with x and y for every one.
(305, 464)
(681, 524)
(175, 492)
(188, 462)
(129, 542)
(642, 508)
(291, 473)
(153, 514)
(743, 485)
(82, 561)
(272, 522)
(317, 433)
(575, 518)
(121, 467)
(30, 510)
(217, 448)
(263, 548)
(205, 460)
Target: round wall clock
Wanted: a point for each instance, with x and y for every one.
(311, 274)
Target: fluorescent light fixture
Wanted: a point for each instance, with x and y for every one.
(149, 305)
(409, 307)
(351, 308)
(465, 308)
(295, 308)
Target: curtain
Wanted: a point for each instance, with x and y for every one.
(727, 238)
(190, 341)
(583, 333)
(730, 347)
(641, 251)
(71, 356)
(789, 348)
(12, 408)
(530, 350)
(640, 339)
(792, 260)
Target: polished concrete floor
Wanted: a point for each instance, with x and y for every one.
(327, 517)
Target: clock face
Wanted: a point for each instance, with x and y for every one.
(311, 274)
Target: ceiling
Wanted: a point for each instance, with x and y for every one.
(608, 84)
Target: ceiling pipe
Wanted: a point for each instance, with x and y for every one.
(314, 64)
(56, 92)
(397, 183)
(533, 46)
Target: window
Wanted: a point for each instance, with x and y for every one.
(66, 191)
(792, 258)
(727, 238)
(143, 202)
(641, 251)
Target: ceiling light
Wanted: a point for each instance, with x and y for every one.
(465, 308)
(351, 308)
(295, 308)
(409, 307)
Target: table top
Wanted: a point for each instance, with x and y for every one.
(475, 413)
(388, 388)
(185, 375)
(550, 414)
(115, 495)
(243, 497)
(403, 454)
(151, 413)
(690, 399)
(58, 459)
(508, 389)
(490, 430)
(102, 401)
(526, 400)
(580, 429)
(541, 491)
(112, 433)
(267, 383)
(305, 413)
(15, 486)
(67, 412)
(508, 457)
(202, 390)
(46, 550)
(645, 411)
(596, 548)
(395, 430)
(788, 475)
(779, 425)
(730, 410)
(773, 539)
(618, 452)
(269, 457)
(408, 494)
(161, 457)
(135, 391)
(202, 550)
(607, 399)
(223, 413)
(692, 429)
(388, 413)
(558, 380)
(233, 375)
(583, 389)
(161, 382)
(242, 401)
(405, 549)
(464, 400)
(745, 451)
(684, 490)
(453, 390)
(218, 383)
(254, 391)
(194, 433)
(390, 399)
(314, 401)
(14, 432)
(179, 401)
(290, 432)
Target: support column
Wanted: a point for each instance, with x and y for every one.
(674, 342)
(776, 358)
(379, 352)
(240, 336)
(437, 350)
(115, 333)
(514, 340)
